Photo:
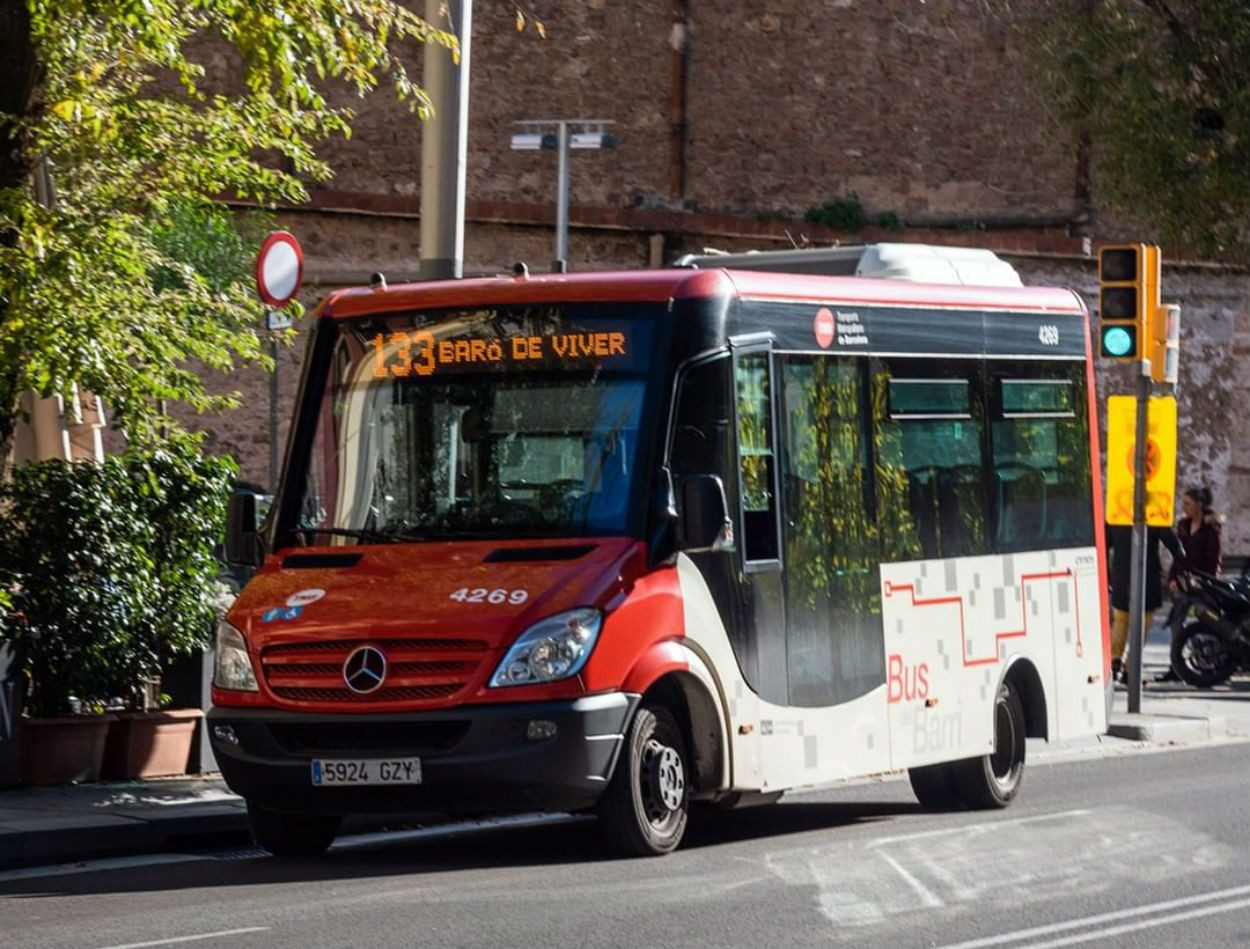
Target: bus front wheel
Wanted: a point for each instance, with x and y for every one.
(991, 781)
(644, 810)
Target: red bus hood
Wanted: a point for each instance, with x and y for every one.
(435, 588)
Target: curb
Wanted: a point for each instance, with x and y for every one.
(1166, 729)
(73, 839)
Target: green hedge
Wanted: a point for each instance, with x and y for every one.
(109, 569)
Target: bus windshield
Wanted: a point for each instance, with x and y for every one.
(496, 422)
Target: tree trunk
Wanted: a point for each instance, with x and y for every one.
(21, 79)
(21, 76)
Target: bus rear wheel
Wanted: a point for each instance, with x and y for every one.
(644, 811)
(992, 780)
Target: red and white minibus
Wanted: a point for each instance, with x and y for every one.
(619, 542)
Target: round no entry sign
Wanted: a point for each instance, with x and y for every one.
(279, 269)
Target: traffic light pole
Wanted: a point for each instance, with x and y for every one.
(1137, 581)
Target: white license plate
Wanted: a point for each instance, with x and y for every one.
(338, 772)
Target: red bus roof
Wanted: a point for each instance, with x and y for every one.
(663, 285)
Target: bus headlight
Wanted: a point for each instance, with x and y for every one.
(232, 666)
(554, 648)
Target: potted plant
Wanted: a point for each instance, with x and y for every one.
(109, 572)
(181, 496)
(68, 547)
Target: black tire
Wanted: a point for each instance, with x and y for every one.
(1200, 658)
(644, 811)
(933, 788)
(991, 781)
(291, 835)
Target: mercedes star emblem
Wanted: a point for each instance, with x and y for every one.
(364, 669)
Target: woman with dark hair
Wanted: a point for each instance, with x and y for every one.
(1201, 543)
(1199, 533)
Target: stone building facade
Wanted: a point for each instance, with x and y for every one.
(732, 120)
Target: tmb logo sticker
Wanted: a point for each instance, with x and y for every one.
(825, 326)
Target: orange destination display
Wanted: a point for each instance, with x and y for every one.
(420, 352)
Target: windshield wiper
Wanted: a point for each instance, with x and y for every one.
(386, 537)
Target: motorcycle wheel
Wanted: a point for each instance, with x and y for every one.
(1200, 657)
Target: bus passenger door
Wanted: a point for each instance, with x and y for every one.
(759, 521)
(725, 610)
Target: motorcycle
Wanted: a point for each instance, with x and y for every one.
(1210, 623)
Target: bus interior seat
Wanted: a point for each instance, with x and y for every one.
(1020, 495)
(922, 496)
(959, 504)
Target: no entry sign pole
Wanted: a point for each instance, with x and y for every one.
(279, 272)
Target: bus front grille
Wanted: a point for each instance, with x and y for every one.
(403, 694)
(417, 670)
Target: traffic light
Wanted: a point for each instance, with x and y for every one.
(1128, 293)
(1164, 338)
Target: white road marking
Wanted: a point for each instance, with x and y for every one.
(175, 939)
(1004, 861)
(927, 896)
(1144, 924)
(974, 828)
(1099, 919)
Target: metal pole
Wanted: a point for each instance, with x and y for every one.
(273, 418)
(444, 144)
(1137, 582)
(562, 198)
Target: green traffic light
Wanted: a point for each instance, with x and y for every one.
(1118, 342)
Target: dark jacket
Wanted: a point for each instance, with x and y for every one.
(1203, 547)
(1120, 555)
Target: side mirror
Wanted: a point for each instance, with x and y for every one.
(705, 523)
(243, 546)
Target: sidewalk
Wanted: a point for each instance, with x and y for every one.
(69, 824)
(1174, 713)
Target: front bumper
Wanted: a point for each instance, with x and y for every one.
(475, 759)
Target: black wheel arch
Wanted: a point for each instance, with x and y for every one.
(1022, 676)
(699, 718)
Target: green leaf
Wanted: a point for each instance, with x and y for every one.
(138, 273)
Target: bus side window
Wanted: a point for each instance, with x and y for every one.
(756, 461)
(1042, 490)
(702, 442)
(930, 465)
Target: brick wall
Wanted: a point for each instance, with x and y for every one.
(919, 108)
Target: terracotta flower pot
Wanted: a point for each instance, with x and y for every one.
(150, 744)
(63, 750)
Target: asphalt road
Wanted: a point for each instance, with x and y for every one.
(1140, 850)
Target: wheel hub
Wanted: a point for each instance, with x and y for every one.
(1004, 762)
(666, 777)
(1203, 652)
